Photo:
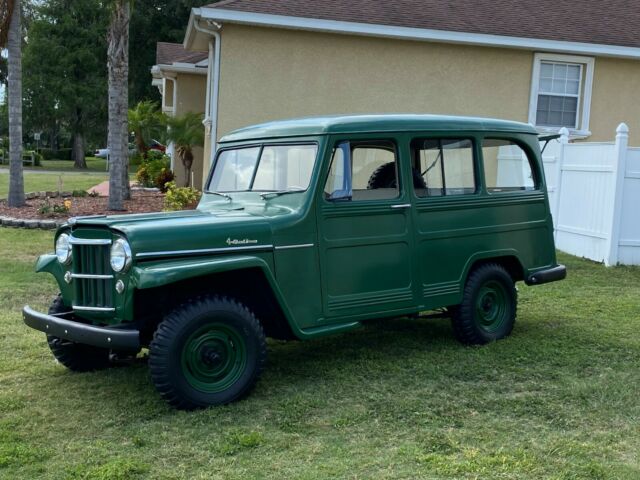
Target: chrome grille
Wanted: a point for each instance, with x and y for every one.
(92, 275)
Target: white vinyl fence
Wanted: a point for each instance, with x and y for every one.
(594, 193)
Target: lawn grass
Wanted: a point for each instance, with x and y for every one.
(38, 182)
(94, 164)
(396, 399)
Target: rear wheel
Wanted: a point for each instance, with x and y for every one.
(75, 356)
(209, 351)
(488, 309)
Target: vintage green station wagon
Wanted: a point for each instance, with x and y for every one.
(307, 227)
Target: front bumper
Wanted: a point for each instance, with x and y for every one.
(553, 274)
(104, 337)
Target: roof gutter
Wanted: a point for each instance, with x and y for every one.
(213, 89)
(417, 34)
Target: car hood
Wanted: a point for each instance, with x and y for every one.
(185, 232)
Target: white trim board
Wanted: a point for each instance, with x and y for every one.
(406, 33)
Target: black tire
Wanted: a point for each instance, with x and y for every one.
(76, 356)
(385, 177)
(195, 341)
(488, 309)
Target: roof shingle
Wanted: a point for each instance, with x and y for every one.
(168, 53)
(614, 22)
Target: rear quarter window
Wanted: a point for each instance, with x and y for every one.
(507, 167)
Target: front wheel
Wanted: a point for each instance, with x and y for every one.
(488, 309)
(77, 357)
(208, 351)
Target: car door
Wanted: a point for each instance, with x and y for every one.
(364, 230)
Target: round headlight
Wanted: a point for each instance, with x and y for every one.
(63, 248)
(120, 255)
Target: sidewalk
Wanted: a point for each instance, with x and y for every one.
(103, 188)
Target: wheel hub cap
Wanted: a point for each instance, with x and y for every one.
(213, 358)
(492, 308)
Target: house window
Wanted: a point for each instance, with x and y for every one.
(561, 93)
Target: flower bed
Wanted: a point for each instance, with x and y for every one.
(50, 209)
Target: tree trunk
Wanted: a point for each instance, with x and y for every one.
(14, 44)
(118, 72)
(78, 151)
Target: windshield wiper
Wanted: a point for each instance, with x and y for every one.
(266, 195)
(228, 197)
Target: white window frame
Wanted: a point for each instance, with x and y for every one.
(585, 89)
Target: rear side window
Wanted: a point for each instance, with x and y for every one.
(444, 167)
(507, 168)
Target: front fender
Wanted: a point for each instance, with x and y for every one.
(161, 273)
(49, 263)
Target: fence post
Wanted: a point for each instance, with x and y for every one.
(564, 140)
(619, 171)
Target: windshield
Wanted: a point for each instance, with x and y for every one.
(266, 168)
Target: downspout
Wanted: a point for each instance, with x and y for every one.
(213, 91)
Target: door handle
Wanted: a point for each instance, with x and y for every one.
(401, 205)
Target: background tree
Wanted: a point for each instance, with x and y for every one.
(11, 37)
(154, 21)
(186, 132)
(118, 132)
(66, 60)
(147, 122)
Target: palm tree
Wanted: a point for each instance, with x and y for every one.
(118, 74)
(11, 38)
(146, 121)
(186, 132)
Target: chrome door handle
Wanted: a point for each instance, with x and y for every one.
(401, 205)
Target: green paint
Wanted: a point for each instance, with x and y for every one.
(213, 357)
(356, 260)
(492, 307)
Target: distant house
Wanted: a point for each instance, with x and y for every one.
(552, 63)
(181, 77)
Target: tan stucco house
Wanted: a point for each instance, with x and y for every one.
(552, 63)
(181, 77)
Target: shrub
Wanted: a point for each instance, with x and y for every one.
(154, 171)
(164, 178)
(180, 198)
(79, 193)
(38, 159)
(52, 154)
(135, 159)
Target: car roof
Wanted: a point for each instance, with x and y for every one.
(338, 124)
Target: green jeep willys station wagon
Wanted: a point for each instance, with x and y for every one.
(307, 227)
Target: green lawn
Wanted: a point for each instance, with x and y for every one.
(559, 399)
(37, 182)
(94, 164)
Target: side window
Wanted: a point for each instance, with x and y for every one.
(363, 171)
(444, 167)
(506, 166)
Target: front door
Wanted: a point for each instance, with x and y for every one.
(364, 225)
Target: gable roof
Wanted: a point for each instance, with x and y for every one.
(169, 53)
(614, 22)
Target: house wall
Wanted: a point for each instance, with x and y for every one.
(190, 97)
(615, 99)
(269, 74)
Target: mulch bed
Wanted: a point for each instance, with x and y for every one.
(141, 202)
